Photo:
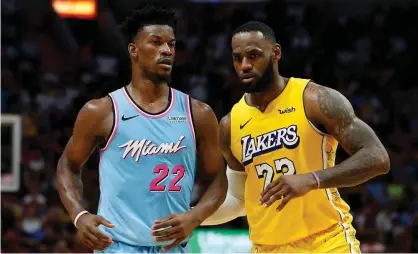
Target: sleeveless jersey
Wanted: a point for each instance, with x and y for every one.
(147, 167)
(282, 141)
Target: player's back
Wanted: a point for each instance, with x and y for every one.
(147, 168)
(282, 141)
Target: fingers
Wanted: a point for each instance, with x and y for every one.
(165, 223)
(93, 242)
(277, 196)
(173, 244)
(273, 189)
(91, 236)
(284, 202)
(167, 218)
(168, 237)
(165, 232)
(104, 222)
(270, 186)
(88, 243)
(100, 235)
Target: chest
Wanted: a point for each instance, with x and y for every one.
(263, 134)
(138, 136)
(280, 124)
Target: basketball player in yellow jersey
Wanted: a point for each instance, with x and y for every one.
(280, 141)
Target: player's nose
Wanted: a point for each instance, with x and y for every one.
(246, 65)
(166, 50)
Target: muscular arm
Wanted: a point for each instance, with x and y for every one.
(368, 157)
(225, 142)
(211, 163)
(233, 206)
(88, 131)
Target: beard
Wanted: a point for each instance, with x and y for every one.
(263, 82)
(163, 78)
(159, 78)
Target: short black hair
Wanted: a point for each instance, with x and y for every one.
(148, 15)
(252, 26)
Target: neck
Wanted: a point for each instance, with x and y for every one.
(146, 89)
(261, 99)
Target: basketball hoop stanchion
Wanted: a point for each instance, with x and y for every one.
(11, 182)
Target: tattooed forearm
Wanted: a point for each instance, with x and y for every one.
(369, 160)
(368, 155)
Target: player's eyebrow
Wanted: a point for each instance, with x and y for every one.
(154, 35)
(250, 49)
(254, 49)
(160, 38)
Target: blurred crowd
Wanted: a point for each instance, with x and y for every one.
(51, 68)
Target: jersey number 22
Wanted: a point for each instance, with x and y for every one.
(163, 172)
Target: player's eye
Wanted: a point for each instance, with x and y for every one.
(253, 55)
(237, 58)
(156, 42)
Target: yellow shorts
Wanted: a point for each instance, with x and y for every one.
(335, 239)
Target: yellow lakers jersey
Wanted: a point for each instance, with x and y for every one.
(281, 141)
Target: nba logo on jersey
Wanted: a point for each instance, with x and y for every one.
(147, 168)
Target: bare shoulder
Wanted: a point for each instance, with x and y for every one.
(201, 110)
(97, 107)
(204, 118)
(91, 127)
(93, 114)
(326, 103)
(225, 131)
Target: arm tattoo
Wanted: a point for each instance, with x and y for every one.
(338, 110)
(335, 108)
(368, 156)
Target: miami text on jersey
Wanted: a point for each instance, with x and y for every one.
(267, 142)
(147, 147)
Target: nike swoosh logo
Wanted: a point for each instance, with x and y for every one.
(127, 118)
(243, 125)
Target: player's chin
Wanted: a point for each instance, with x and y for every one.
(250, 85)
(164, 70)
(164, 76)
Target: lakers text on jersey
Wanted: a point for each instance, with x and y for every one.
(281, 141)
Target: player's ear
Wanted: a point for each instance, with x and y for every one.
(133, 50)
(277, 52)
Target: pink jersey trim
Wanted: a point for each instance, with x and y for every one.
(100, 168)
(189, 116)
(164, 113)
(115, 128)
